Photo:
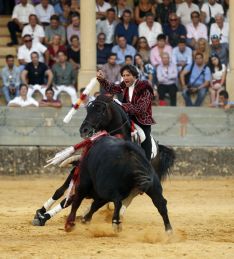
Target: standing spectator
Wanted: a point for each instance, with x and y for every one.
(163, 11)
(10, 79)
(120, 7)
(143, 48)
(108, 26)
(184, 11)
(150, 29)
(20, 16)
(167, 77)
(199, 81)
(34, 29)
(54, 28)
(73, 52)
(142, 9)
(44, 11)
(62, 9)
(24, 51)
(161, 47)
(103, 50)
(54, 48)
(203, 47)
(220, 28)
(174, 30)
(101, 8)
(74, 27)
(37, 75)
(23, 100)
(64, 77)
(195, 30)
(220, 49)
(182, 55)
(122, 50)
(218, 72)
(127, 28)
(49, 100)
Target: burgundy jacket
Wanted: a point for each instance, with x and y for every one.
(141, 104)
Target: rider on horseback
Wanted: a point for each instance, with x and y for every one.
(137, 100)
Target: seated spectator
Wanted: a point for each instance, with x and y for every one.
(34, 29)
(198, 82)
(111, 70)
(163, 11)
(44, 11)
(49, 100)
(220, 49)
(101, 8)
(203, 47)
(108, 26)
(73, 52)
(64, 77)
(120, 7)
(62, 9)
(35, 74)
(218, 73)
(162, 46)
(145, 70)
(220, 28)
(19, 18)
(123, 49)
(23, 100)
(75, 6)
(182, 55)
(144, 7)
(150, 29)
(167, 76)
(74, 27)
(54, 48)
(128, 60)
(10, 79)
(54, 29)
(174, 30)
(103, 50)
(184, 11)
(195, 30)
(143, 48)
(224, 101)
(127, 28)
(24, 51)
(208, 12)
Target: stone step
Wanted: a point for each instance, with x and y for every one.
(4, 19)
(4, 39)
(4, 30)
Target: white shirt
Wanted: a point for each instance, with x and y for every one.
(22, 13)
(218, 74)
(102, 8)
(36, 33)
(20, 101)
(150, 34)
(130, 91)
(184, 12)
(223, 33)
(215, 9)
(25, 53)
(196, 32)
(44, 14)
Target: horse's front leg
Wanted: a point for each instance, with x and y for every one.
(116, 223)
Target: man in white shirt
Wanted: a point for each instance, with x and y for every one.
(23, 100)
(210, 9)
(34, 29)
(220, 28)
(150, 29)
(184, 11)
(24, 52)
(44, 11)
(101, 8)
(19, 18)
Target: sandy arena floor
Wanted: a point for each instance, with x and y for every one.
(201, 213)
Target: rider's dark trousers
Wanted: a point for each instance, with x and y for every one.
(146, 145)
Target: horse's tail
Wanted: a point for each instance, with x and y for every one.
(163, 162)
(141, 168)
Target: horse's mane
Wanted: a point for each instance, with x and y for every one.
(104, 98)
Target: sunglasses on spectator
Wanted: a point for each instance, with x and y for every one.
(195, 16)
(28, 40)
(101, 38)
(173, 20)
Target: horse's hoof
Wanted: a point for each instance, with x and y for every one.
(69, 226)
(117, 227)
(85, 221)
(168, 229)
(39, 219)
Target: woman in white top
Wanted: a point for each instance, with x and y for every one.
(219, 73)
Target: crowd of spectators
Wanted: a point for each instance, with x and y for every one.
(176, 45)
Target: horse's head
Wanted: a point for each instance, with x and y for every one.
(98, 116)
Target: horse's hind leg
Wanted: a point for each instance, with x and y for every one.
(116, 223)
(155, 193)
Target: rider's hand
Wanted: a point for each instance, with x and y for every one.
(100, 74)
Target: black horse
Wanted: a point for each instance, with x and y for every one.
(109, 172)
